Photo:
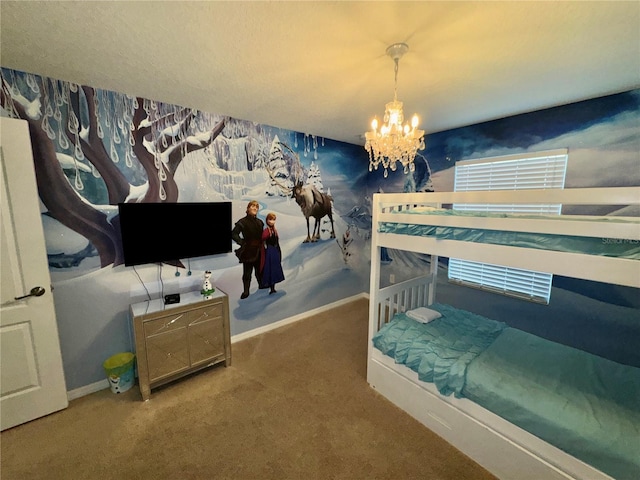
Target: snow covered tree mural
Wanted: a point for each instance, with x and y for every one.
(90, 135)
(280, 166)
(314, 177)
(94, 149)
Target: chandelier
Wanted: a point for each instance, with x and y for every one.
(394, 142)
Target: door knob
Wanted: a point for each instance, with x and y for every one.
(35, 292)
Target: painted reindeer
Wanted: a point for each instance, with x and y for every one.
(313, 204)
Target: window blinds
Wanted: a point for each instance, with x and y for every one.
(539, 170)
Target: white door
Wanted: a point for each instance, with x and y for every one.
(31, 377)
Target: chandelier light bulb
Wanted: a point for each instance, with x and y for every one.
(394, 142)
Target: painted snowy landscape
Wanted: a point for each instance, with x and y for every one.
(94, 149)
(316, 273)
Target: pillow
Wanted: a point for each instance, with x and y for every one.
(423, 314)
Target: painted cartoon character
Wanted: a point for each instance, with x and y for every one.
(247, 233)
(121, 383)
(271, 256)
(115, 383)
(207, 287)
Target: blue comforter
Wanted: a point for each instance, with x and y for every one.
(441, 350)
(583, 404)
(586, 405)
(559, 243)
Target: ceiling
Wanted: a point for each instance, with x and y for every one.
(320, 67)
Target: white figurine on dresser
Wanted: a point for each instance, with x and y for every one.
(207, 287)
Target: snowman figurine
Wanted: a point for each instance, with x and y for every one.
(207, 288)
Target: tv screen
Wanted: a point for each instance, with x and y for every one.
(162, 232)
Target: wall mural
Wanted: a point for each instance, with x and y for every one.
(602, 135)
(95, 148)
(603, 139)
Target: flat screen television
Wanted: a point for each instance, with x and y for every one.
(163, 232)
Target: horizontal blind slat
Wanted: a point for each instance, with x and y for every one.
(546, 171)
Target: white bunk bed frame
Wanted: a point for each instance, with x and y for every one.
(504, 449)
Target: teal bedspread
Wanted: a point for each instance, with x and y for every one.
(559, 243)
(441, 350)
(583, 404)
(586, 405)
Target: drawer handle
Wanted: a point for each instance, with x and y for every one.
(204, 315)
(168, 324)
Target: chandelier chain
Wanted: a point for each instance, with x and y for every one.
(395, 80)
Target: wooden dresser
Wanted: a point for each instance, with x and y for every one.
(178, 339)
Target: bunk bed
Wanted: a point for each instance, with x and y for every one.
(521, 406)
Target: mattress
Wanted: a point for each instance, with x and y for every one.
(562, 243)
(583, 404)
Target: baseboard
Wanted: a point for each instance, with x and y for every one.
(87, 389)
(295, 318)
(102, 384)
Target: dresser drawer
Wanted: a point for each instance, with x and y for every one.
(166, 324)
(206, 340)
(205, 314)
(167, 354)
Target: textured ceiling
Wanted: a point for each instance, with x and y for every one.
(321, 67)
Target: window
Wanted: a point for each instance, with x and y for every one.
(513, 172)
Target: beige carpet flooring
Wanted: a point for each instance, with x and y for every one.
(294, 404)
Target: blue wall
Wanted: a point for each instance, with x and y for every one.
(97, 148)
(602, 136)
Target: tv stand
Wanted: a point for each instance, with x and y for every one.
(174, 340)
